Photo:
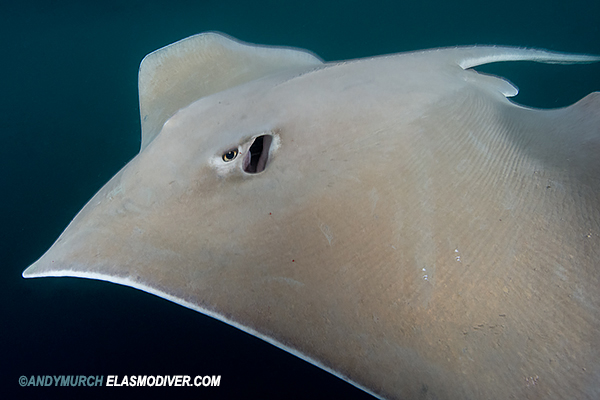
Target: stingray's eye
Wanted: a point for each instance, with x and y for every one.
(230, 155)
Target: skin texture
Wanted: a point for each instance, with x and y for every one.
(413, 232)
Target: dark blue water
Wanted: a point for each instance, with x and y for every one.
(69, 121)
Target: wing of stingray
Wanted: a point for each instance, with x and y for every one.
(413, 231)
(174, 76)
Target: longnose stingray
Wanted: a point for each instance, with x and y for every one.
(395, 220)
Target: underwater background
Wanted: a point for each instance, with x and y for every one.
(69, 120)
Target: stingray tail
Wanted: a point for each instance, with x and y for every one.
(468, 57)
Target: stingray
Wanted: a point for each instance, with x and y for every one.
(395, 220)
